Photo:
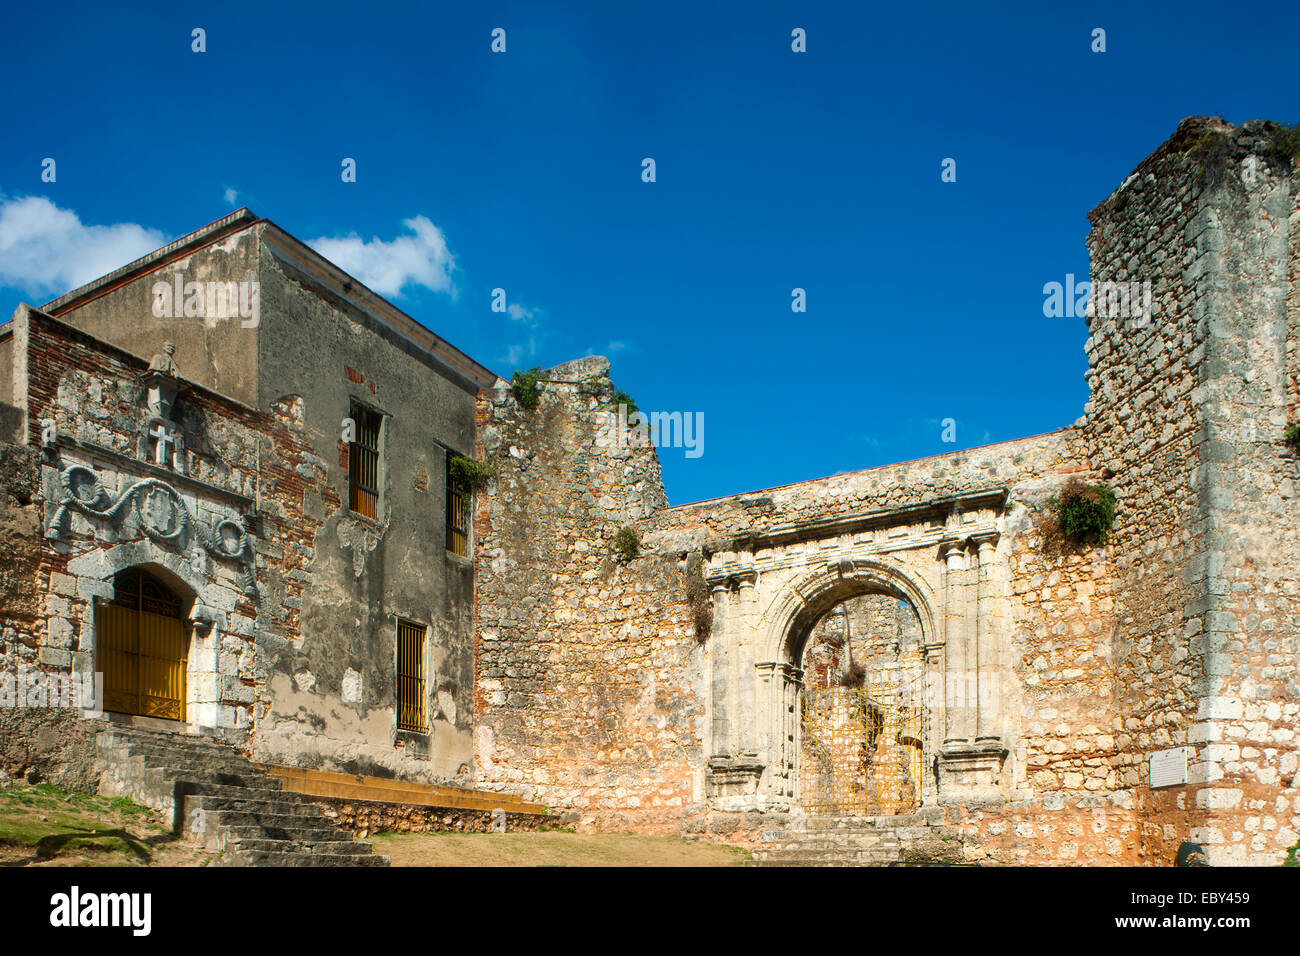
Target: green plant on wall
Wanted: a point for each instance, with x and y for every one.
(1212, 150)
(623, 398)
(469, 475)
(1292, 435)
(1081, 514)
(526, 387)
(697, 595)
(1284, 142)
(627, 545)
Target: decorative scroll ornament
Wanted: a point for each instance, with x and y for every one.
(159, 511)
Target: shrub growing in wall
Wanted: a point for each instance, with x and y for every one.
(1284, 142)
(1080, 514)
(697, 595)
(623, 398)
(1292, 435)
(469, 475)
(627, 545)
(526, 387)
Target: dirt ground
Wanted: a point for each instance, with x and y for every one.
(44, 826)
(550, 849)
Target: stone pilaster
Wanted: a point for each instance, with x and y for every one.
(987, 675)
(953, 553)
(720, 684)
(747, 720)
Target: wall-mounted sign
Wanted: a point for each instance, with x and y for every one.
(1169, 767)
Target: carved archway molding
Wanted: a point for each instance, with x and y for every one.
(791, 615)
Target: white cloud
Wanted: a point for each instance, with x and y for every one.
(616, 346)
(45, 250)
(529, 318)
(232, 196)
(418, 259)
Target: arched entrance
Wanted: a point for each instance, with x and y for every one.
(864, 726)
(143, 647)
(890, 717)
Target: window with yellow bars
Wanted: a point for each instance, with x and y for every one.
(363, 462)
(412, 692)
(458, 500)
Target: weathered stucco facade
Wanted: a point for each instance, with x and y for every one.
(292, 645)
(1028, 684)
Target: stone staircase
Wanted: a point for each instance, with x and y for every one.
(220, 800)
(860, 841)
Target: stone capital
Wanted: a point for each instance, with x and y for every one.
(948, 545)
(953, 551)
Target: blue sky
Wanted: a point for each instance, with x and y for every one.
(775, 170)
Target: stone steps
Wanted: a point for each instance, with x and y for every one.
(851, 841)
(292, 858)
(221, 800)
(236, 832)
(336, 847)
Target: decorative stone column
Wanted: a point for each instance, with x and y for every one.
(971, 759)
(719, 684)
(987, 670)
(780, 684)
(747, 719)
(731, 782)
(953, 553)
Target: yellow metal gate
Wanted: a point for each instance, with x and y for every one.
(143, 649)
(863, 750)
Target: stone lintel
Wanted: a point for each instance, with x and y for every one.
(990, 498)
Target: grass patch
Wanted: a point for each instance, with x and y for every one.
(43, 825)
(551, 848)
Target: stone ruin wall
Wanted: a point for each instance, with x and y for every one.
(591, 689)
(1186, 414)
(588, 669)
(1182, 630)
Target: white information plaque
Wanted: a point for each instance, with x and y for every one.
(1169, 767)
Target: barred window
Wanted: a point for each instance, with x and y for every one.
(412, 689)
(363, 462)
(458, 500)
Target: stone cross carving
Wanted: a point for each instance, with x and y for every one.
(165, 363)
(166, 443)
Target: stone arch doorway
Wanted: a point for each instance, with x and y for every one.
(142, 645)
(863, 720)
(789, 627)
